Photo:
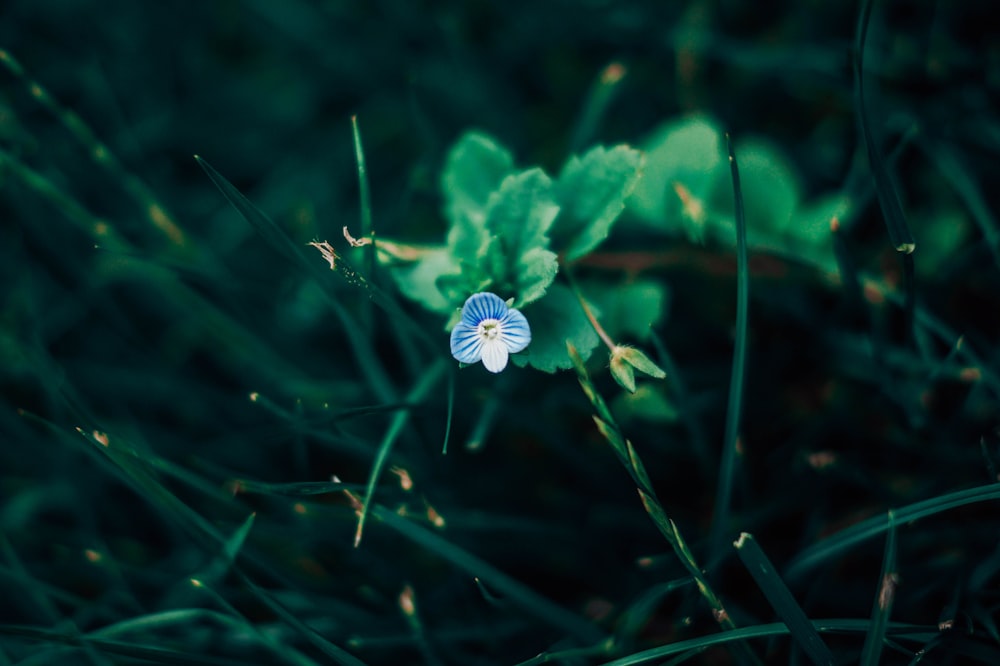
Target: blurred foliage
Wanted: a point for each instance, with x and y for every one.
(181, 402)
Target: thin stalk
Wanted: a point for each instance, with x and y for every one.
(734, 410)
(367, 228)
(591, 317)
(416, 395)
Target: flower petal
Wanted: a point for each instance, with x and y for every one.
(516, 333)
(481, 306)
(494, 355)
(466, 343)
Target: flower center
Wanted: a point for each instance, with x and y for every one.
(489, 329)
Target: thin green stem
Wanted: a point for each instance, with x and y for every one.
(591, 317)
(734, 410)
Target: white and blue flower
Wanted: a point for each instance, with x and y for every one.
(489, 331)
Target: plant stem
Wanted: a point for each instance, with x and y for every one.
(587, 311)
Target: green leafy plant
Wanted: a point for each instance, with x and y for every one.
(511, 231)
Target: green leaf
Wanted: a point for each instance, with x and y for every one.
(554, 320)
(631, 309)
(518, 219)
(418, 280)
(591, 192)
(682, 156)
(762, 571)
(536, 271)
(473, 171)
(808, 237)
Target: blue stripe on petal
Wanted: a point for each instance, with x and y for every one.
(466, 343)
(483, 305)
(494, 355)
(516, 332)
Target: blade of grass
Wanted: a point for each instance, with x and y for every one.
(487, 416)
(963, 181)
(451, 409)
(37, 593)
(268, 639)
(417, 394)
(515, 592)
(338, 654)
(900, 630)
(277, 237)
(142, 652)
(128, 463)
(882, 606)
(43, 599)
(364, 353)
(926, 319)
(408, 604)
(364, 191)
(782, 601)
(848, 268)
(241, 347)
(602, 93)
(909, 301)
(297, 489)
(888, 197)
(100, 153)
(638, 613)
(734, 409)
(164, 619)
(570, 656)
(833, 545)
(685, 404)
(230, 549)
(100, 230)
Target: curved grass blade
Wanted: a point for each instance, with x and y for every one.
(271, 641)
(298, 489)
(570, 656)
(888, 197)
(882, 606)
(164, 619)
(599, 99)
(230, 549)
(144, 652)
(408, 604)
(912, 632)
(296, 254)
(99, 152)
(868, 529)
(963, 181)
(641, 610)
(734, 409)
(264, 225)
(338, 654)
(417, 394)
(364, 191)
(451, 409)
(782, 601)
(515, 592)
(241, 345)
(375, 373)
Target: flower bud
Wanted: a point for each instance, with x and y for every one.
(622, 371)
(624, 359)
